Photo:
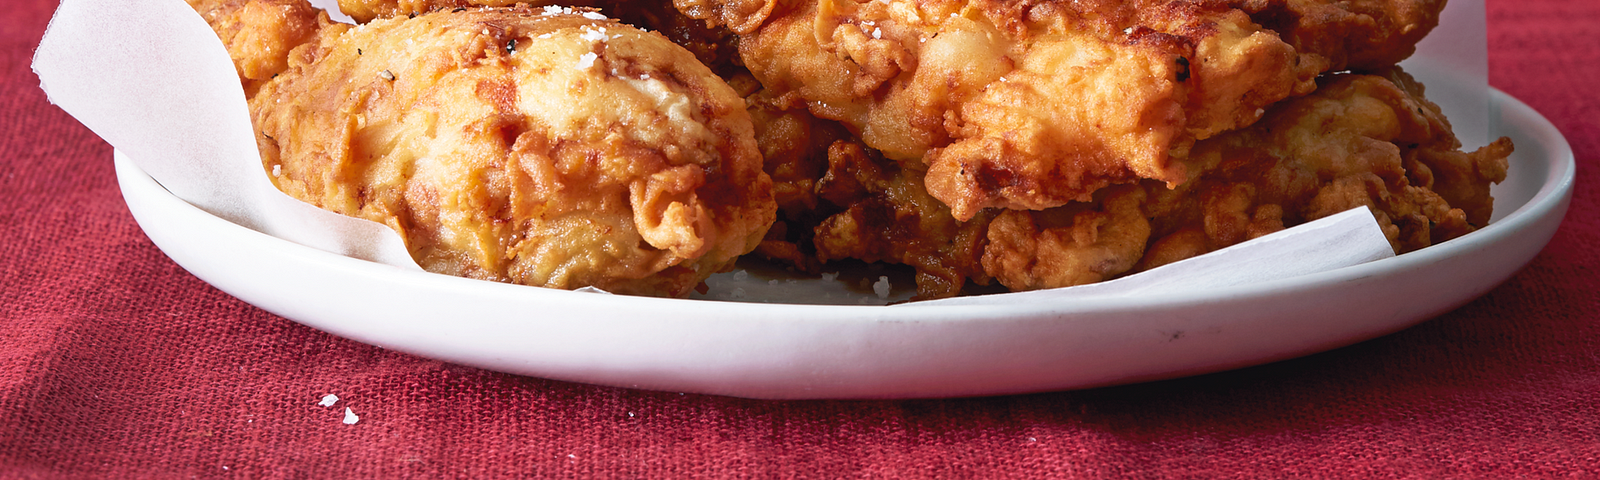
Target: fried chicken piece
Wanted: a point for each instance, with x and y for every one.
(1365, 35)
(1364, 140)
(1030, 105)
(888, 216)
(795, 145)
(525, 146)
(838, 199)
(1027, 106)
(260, 33)
(715, 47)
(1360, 141)
(1076, 244)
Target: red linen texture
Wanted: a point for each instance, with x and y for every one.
(116, 363)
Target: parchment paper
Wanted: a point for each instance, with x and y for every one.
(151, 78)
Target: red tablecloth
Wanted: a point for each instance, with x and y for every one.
(114, 362)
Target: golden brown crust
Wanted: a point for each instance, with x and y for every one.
(1363, 35)
(1033, 104)
(1027, 104)
(259, 34)
(886, 215)
(713, 46)
(795, 147)
(363, 11)
(1075, 245)
(741, 16)
(519, 145)
(1358, 141)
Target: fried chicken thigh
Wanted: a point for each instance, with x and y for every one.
(547, 147)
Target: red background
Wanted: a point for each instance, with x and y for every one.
(114, 362)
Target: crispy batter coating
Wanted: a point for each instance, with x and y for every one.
(888, 216)
(1363, 140)
(713, 46)
(1027, 106)
(363, 11)
(838, 199)
(795, 145)
(1364, 35)
(1071, 245)
(260, 33)
(740, 16)
(518, 145)
(1360, 140)
(1033, 104)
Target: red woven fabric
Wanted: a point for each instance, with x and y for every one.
(114, 362)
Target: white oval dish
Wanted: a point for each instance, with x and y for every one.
(820, 351)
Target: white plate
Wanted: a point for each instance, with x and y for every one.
(821, 351)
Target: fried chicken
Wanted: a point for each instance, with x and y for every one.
(1035, 144)
(1030, 105)
(711, 45)
(534, 146)
(1359, 140)
(260, 33)
(839, 199)
(795, 145)
(363, 11)
(1362, 35)
(888, 216)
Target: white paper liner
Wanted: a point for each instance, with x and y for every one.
(151, 78)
